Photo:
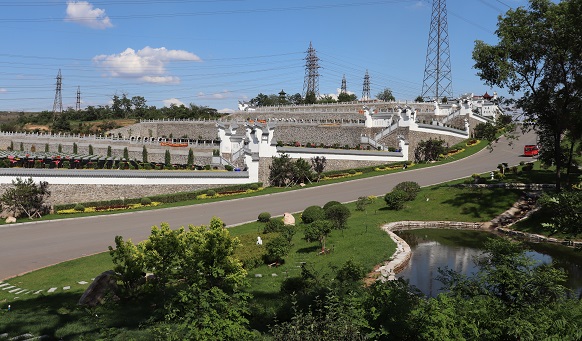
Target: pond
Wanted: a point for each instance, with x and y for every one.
(436, 248)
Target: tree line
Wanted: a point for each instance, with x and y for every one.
(121, 107)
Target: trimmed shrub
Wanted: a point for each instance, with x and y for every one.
(264, 217)
(79, 208)
(330, 204)
(228, 168)
(411, 188)
(312, 213)
(210, 192)
(274, 225)
(253, 187)
(395, 200)
(145, 201)
(352, 171)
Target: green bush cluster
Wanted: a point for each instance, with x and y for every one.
(264, 217)
(401, 193)
(395, 200)
(79, 208)
(410, 187)
(274, 225)
(330, 204)
(312, 213)
(145, 201)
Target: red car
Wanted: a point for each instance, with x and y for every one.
(531, 150)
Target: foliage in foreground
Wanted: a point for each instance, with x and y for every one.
(195, 283)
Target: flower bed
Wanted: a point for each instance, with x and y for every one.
(108, 208)
(228, 193)
(339, 176)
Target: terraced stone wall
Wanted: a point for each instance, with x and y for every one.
(67, 194)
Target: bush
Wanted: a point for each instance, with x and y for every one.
(330, 204)
(264, 217)
(79, 208)
(411, 188)
(277, 249)
(210, 193)
(228, 168)
(312, 213)
(253, 187)
(145, 201)
(274, 225)
(352, 171)
(395, 200)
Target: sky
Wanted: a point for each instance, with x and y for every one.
(215, 53)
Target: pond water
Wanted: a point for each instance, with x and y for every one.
(433, 249)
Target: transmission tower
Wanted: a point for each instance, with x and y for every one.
(78, 106)
(344, 88)
(311, 82)
(58, 104)
(437, 81)
(366, 88)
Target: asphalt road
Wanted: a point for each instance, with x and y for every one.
(29, 246)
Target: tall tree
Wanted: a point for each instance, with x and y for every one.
(386, 95)
(538, 55)
(26, 197)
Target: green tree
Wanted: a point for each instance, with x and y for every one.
(125, 153)
(338, 215)
(26, 197)
(129, 264)
(318, 164)
(395, 200)
(386, 95)
(429, 150)
(419, 99)
(281, 172)
(318, 230)
(190, 161)
(167, 158)
(310, 98)
(485, 131)
(538, 55)
(564, 210)
(345, 97)
(302, 171)
(326, 99)
(277, 249)
(46, 147)
(411, 188)
(75, 148)
(90, 149)
(108, 151)
(312, 213)
(144, 154)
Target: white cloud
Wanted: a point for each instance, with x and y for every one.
(170, 101)
(218, 95)
(3, 90)
(226, 111)
(83, 13)
(147, 64)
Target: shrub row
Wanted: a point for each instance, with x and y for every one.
(163, 198)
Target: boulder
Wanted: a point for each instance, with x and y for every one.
(101, 286)
(10, 220)
(288, 219)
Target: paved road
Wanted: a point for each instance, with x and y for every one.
(29, 246)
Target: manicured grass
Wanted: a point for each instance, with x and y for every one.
(363, 241)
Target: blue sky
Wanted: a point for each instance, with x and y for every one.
(217, 52)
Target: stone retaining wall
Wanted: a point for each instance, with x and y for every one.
(68, 194)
